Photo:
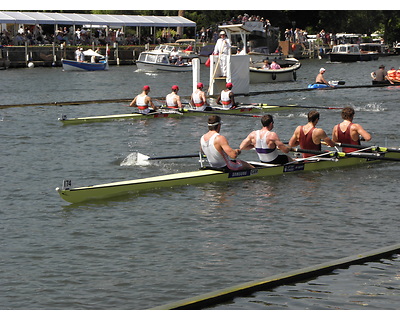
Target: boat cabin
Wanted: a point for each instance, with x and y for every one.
(154, 57)
(346, 48)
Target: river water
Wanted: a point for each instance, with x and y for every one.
(138, 252)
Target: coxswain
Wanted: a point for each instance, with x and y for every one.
(173, 101)
(266, 142)
(309, 136)
(348, 132)
(217, 149)
(198, 99)
(227, 99)
(143, 102)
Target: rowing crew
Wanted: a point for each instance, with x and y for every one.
(267, 143)
(198, 99)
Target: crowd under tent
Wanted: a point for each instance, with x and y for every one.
(94, 20)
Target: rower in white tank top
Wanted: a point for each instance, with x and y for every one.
(264, 153)
(226, 99)
(214, 158)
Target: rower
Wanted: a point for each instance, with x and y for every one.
(267, 143)
(309, 136)
(198, 99)
(217, 149)
(348, 132)
(227, 98)
(173, 101)
(143, 102)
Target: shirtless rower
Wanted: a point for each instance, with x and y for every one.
(266, 142)
(143, 102)
(320, 78)
(227, 98)
(309, 136)
(348, 132)
(198, 99)
(173, 101)
(217, 149)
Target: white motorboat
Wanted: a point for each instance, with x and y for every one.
(287, 72)
(351, 53)
(160, 61)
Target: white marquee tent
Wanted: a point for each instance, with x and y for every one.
(93, 19)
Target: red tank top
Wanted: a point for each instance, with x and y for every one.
(306, 142)
(345, 137)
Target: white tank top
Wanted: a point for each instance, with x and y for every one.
(225, 99)
(199, 103)
(264, 153)
(214, 158)
(170, 100)
(140, 101)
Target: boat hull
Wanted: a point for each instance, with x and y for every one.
(258, 75)
(152, 67)
(352, 57)
(109, 190)
(71, 65)
(171, 114)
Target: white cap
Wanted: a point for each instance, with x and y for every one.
(322, 69)
(222, 32)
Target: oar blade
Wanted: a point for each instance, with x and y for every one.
(135, 159)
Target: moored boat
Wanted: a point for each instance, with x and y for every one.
(160, 61)
(286, 73)
(351, 53)
(260, 170)
(101, 65)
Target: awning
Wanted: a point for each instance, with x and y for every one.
(93, 19)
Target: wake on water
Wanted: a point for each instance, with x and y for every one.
(135, 159)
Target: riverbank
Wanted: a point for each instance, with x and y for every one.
(51, 55)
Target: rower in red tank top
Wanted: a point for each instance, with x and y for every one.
(348, 132)
(306, 142)
(309, 136)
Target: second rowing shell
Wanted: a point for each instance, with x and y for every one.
(167, 113)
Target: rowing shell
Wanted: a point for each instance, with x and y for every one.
(108, 190)
(165, 113)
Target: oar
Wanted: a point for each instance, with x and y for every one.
(297, 106)
(373, 148)
(224, 113)
(136, 158)
(343, 154)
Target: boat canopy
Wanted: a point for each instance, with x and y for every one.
(93, 19)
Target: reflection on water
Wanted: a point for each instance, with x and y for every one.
(370, 286)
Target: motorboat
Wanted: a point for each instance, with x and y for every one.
(287, 72)
(156, 60)
(93, 65)
(351, 53)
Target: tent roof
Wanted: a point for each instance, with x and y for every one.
(93, 19)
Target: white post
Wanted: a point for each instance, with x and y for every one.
(196, 73)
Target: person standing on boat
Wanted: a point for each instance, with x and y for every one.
(223, 49)
(266, 142)
(320, 78)
(217, 149)
(309, 136)
(348, 132)
(173, 101)
(198, 99)
(143, 102)
(226, 98)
